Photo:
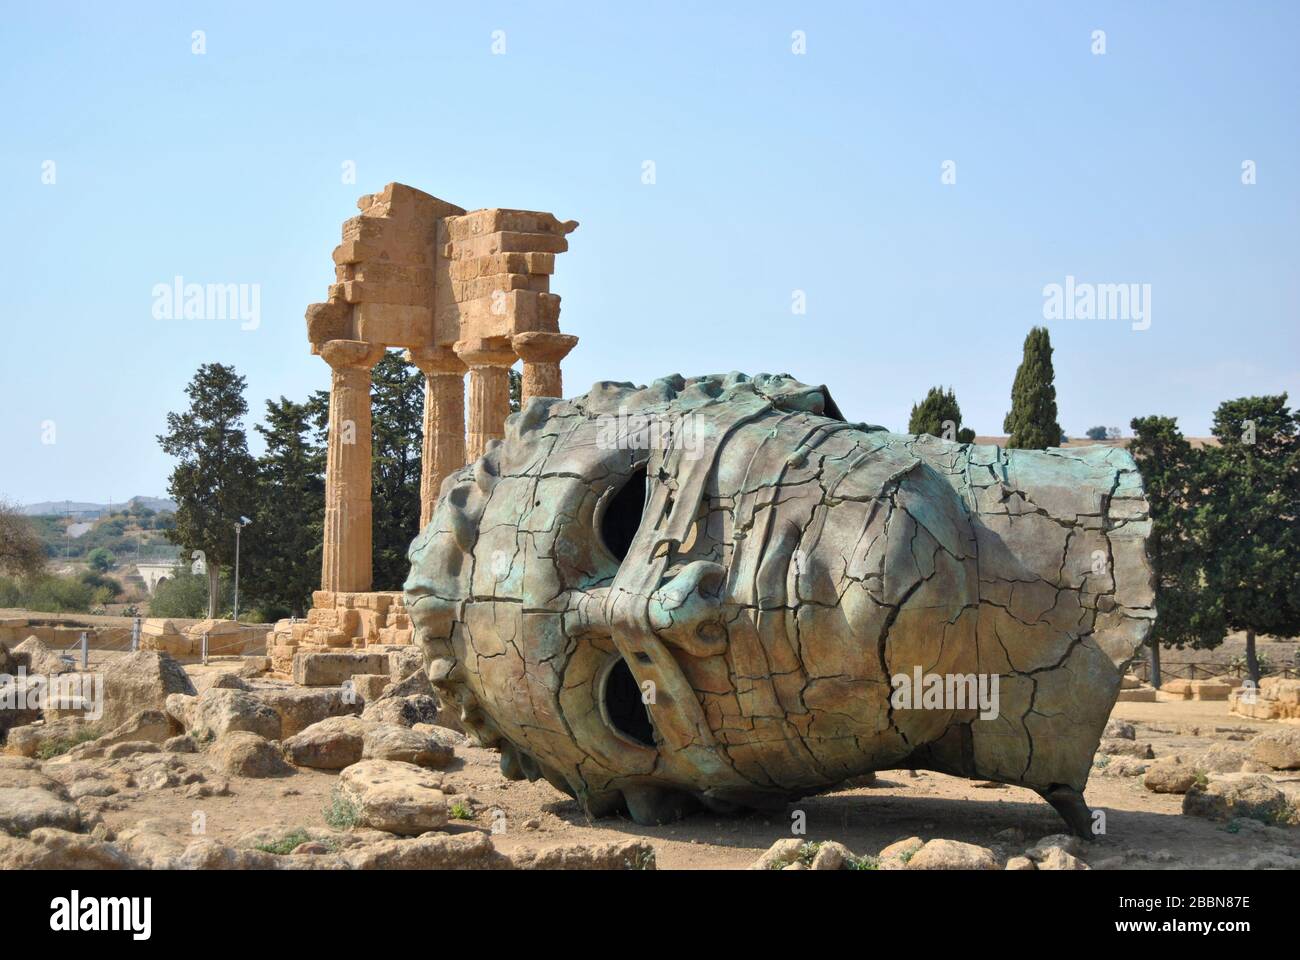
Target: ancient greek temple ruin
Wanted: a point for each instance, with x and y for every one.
(464, 294)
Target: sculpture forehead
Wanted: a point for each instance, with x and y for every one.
(558, 453)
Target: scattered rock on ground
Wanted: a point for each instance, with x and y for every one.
(1253, 796)
(405, 711)
(329, 744)
(301, 707)
(141, 681)
(397, 797)
(1120, 747)
(1170, 776)
(952, 855)
(1278, 748)
(218, 711)
(24, 809)
(615, 855)
(388, 741)
(239, 753)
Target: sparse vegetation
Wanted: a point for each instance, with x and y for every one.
(286, 844)
(342, 813)
(643, 861)
(460, 811)
(57, 746)
(47, 593)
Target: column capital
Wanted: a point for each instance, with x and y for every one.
(540, 347)
(360, 354)
(435, 360)
(495, 352)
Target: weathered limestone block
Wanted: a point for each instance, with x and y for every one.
(299, 708)
(331, 668)
(330, 744)
(140, 681)
(397, 797)
(716, 591)
(216, 711)
(163, 635)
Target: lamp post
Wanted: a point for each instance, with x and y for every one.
(243, 522)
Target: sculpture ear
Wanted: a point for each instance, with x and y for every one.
(687, 610)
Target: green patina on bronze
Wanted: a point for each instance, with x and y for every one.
(760, 571)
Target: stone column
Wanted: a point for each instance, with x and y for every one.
(541, 354)
(346, 561)
(489, 363)
(443, 449)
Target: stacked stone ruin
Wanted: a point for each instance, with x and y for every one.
(463, 294)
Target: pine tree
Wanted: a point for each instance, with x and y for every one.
(1250, 518)
(398, 418)
(214, 482)
(1031, 424)
(1172, 472)
(939, 415)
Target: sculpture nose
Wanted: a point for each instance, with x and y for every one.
(687, 610)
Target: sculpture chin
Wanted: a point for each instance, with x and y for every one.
(705, 591)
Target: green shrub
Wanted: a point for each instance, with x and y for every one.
(342, 813)
(47, 594)
(286, 844)
(58, 746)
(185, 595)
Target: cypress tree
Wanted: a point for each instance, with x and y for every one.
(1031, 424)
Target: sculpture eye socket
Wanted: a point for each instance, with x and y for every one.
(622, 516)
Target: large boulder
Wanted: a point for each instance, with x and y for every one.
(952, 855)
(331, 668)
(23, 809)
(1170, 776)
(215, 712)
(388, 741)
(396, 797)
(220, 680)
(48, 739)
(1251, 796)
(330, 744)
(466, 851)
(403, 711)
(1279, 748)
(1223, 758)
(19, 701)
(140, 681)
(154, 726)
(299, 708)
(53, 848)
(36, 657)
(614, 855)
(239, 753)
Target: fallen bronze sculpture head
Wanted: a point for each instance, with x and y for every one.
(715, 591)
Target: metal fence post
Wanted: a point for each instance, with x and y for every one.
(205, 647)
(135, 635)
(85, 651)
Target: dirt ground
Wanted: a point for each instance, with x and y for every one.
(1143, 829)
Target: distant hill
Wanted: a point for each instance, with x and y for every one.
(90, 510)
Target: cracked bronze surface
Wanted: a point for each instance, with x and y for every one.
(785, 566)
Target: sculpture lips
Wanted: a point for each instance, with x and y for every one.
(720, 619)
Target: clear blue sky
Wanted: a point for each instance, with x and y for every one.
(775, 172)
